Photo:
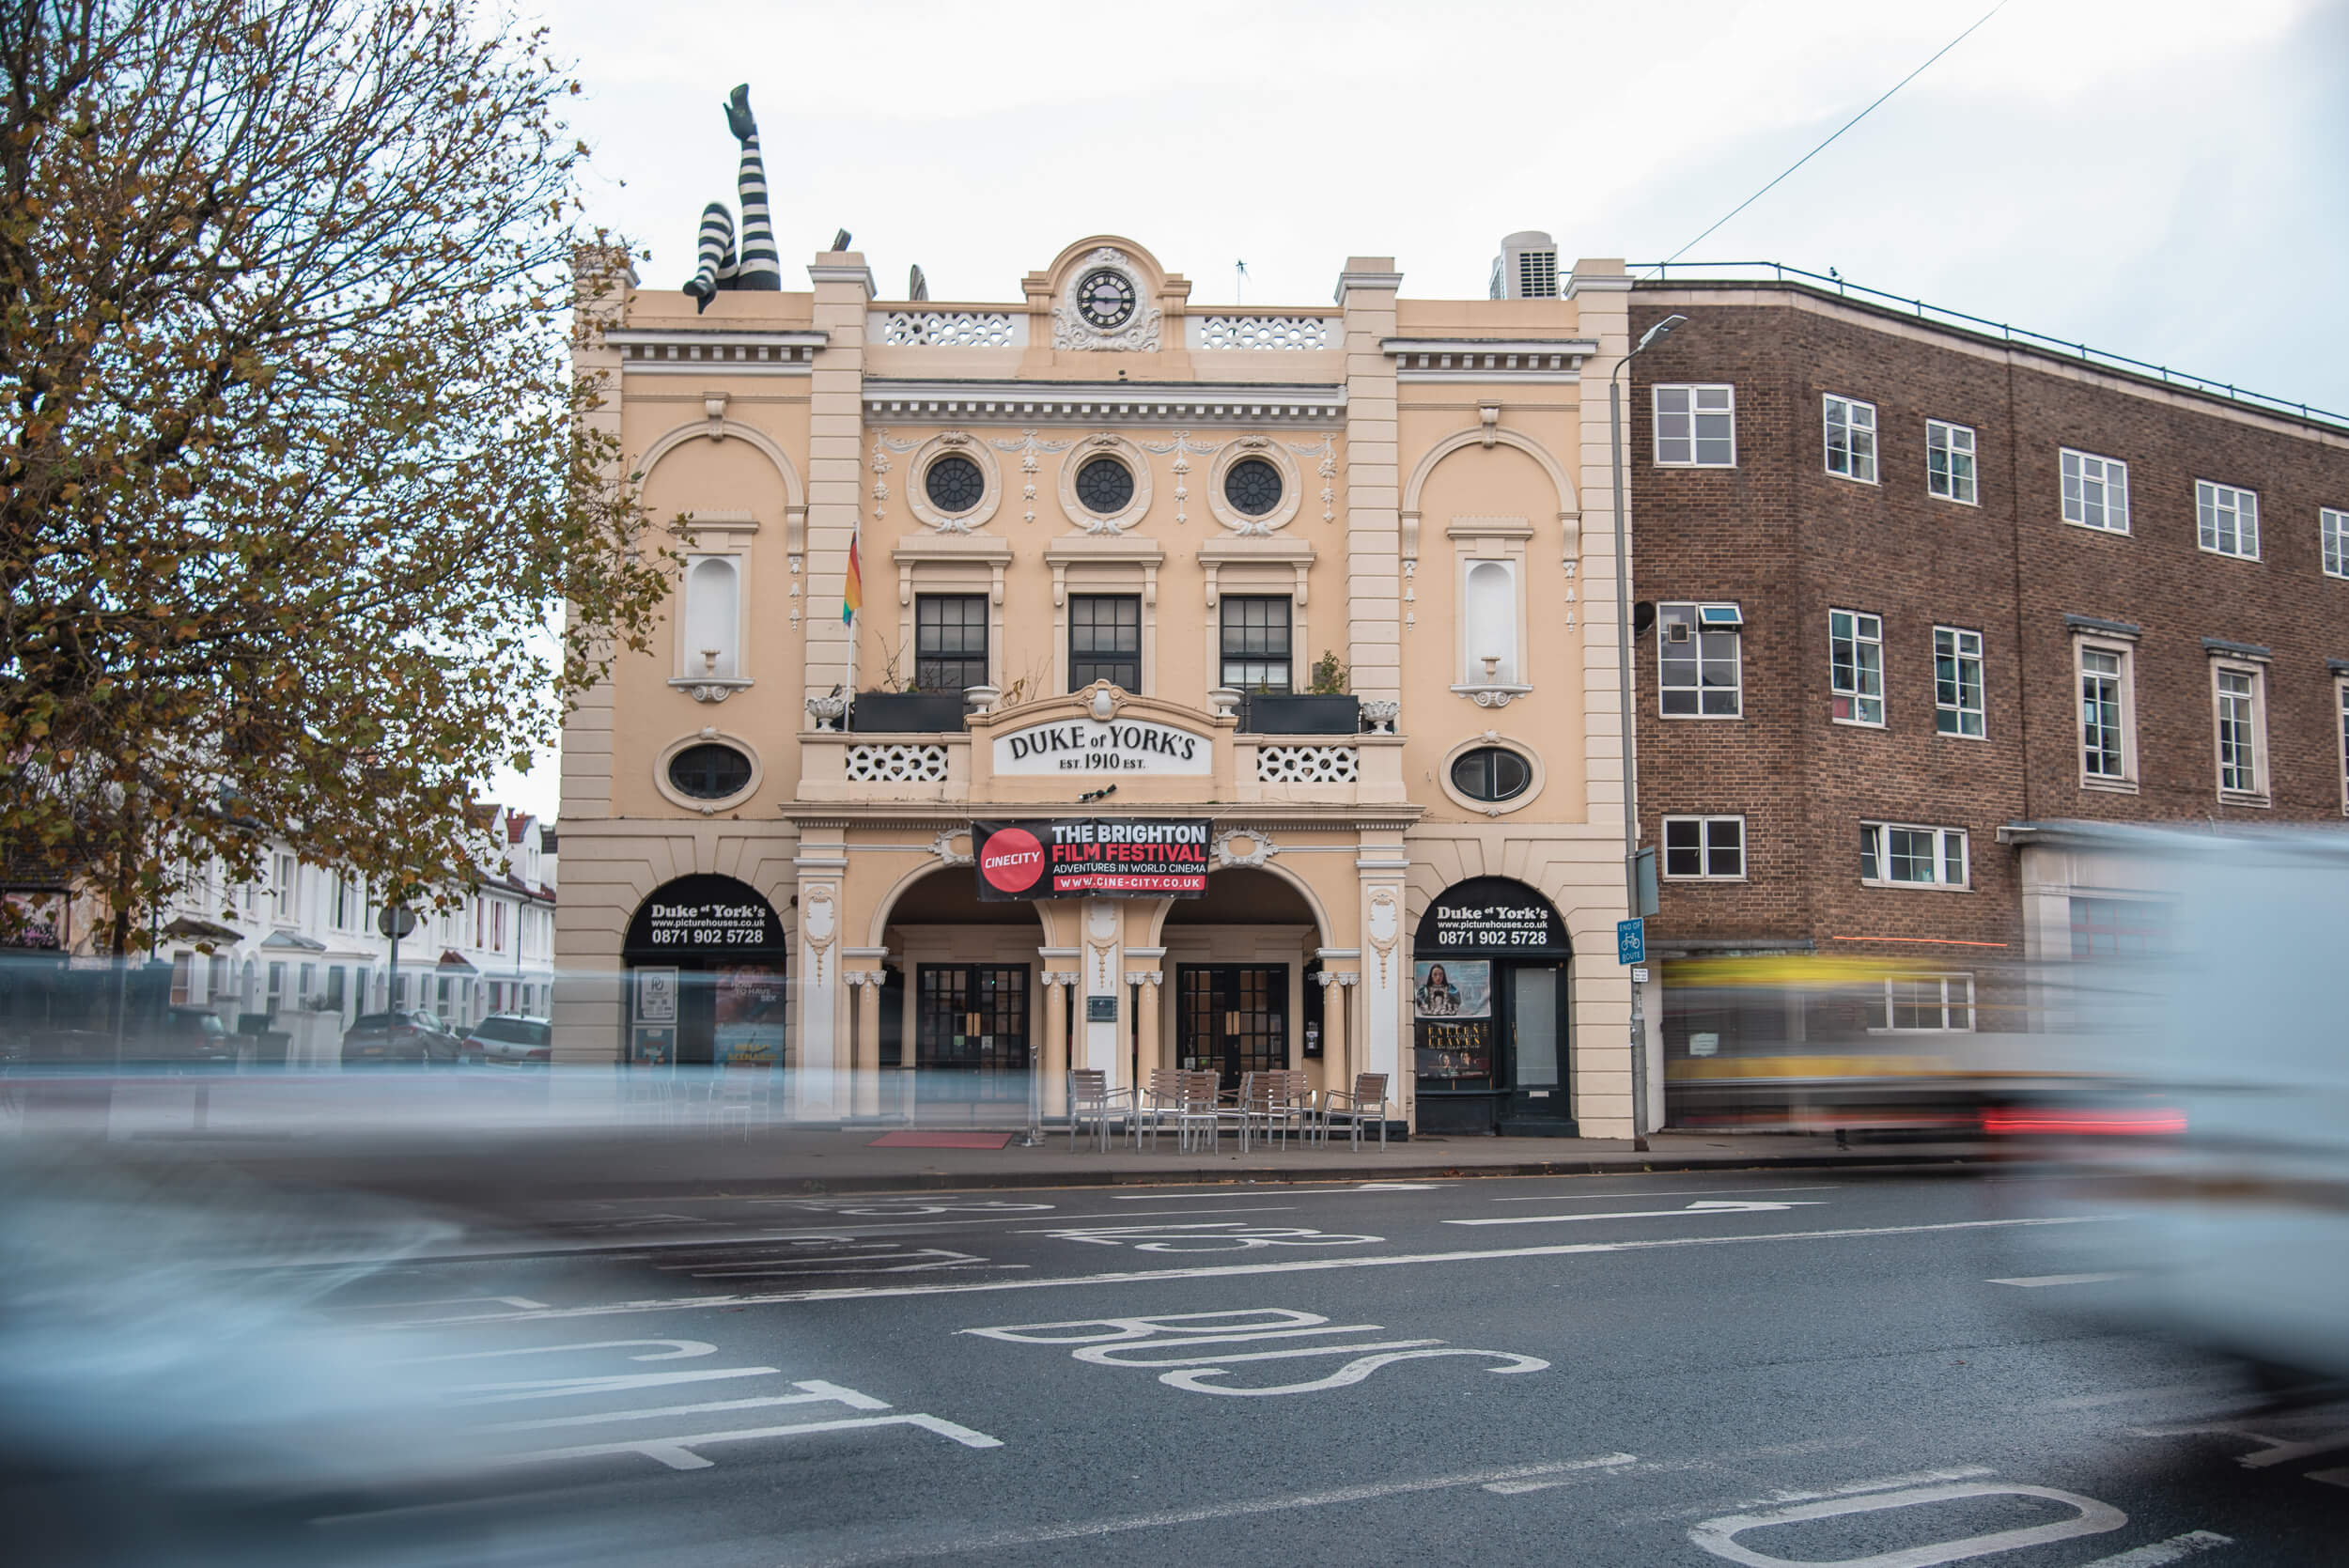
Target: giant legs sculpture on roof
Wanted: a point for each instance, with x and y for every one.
(759, 267)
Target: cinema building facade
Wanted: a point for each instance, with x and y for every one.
(1225, 688)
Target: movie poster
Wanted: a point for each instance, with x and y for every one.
(749, 1017)
(1451, 988)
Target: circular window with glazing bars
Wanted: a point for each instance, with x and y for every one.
(953, 484)
(1491, 773)
(1105, 487)
(709, 771)
(1252, 486)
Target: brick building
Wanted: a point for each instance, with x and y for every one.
(1911, 596)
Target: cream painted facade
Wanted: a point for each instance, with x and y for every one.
(1443, 526)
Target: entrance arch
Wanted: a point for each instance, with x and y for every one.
(1241, 964)
(965, 1002)
(1490, 1011)
(704, 957)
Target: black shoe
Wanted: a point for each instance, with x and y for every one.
(739, 114)
(702, 293)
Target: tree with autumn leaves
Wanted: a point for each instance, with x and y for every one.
(297, 489)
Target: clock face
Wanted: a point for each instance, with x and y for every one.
(1106, 298)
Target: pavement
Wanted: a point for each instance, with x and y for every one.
(1794, 1364)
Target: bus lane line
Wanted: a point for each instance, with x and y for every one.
(1219, 1272)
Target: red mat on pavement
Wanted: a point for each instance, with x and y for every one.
(939, 1140)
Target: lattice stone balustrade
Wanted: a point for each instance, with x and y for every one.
(949, 329)
(1308, 765)
(896, 764)
(1265, 331)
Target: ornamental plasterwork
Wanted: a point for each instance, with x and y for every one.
(1265, 331)
(943, 846)
(1184, 449)
(950, 329)
(1104, 443)
(1328, 470)
(1028, 446)
(1261, 848)
(959, 442)
(1237, 450)
(1070, 330)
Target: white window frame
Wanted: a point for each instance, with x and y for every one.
(1941, 437)
(1958, 638)
(1858, 448)
(1941, 980)
(2213, 503)
(2125, 780)
(2259, 792)
(1693, 440)
(1697, 632)
(1944, 839)
(2341, 704)
(2332, 533)
(2111, 477)
(1704, 826)
(1861, 636)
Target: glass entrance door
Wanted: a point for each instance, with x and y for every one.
(970, 1031)
(1232, 1018)
(1536, 1039)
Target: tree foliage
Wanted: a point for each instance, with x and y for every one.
(294, 475)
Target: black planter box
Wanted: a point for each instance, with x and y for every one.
(906, 712)
(1270, 714)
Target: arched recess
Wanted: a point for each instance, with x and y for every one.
(794, 492)
(1279, 872)
(706, 955)
(1569, 508)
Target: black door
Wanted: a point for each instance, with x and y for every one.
(970, 1031)
(1233, 1018)
(1533, 1061)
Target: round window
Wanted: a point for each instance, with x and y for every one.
(709, 771)
(1105, 487)
(953, 484)
(1491, 773)
(1252, 486)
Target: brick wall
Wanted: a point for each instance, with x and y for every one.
(1788, 542)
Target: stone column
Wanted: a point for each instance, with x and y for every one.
(1147, 1022)
(1346, 1060)
(1055, 1066)
(1375, 547)
(868, 1044)
(824, 1018)
(835, 465)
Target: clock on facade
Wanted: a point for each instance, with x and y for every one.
(1105, 299)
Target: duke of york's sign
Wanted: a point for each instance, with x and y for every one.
(1095, 746)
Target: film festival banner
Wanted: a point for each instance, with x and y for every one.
(1081, 858)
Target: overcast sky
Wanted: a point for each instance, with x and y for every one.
(2165, 180)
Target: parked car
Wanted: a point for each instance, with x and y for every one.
(410, 1036)
(511, 1040)
(190, 1038)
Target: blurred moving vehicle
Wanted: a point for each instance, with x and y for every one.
(511, 1040)
(417, 1036)
(2229, 1046)
(187, 1038)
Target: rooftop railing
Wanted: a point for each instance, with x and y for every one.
(1706, 271)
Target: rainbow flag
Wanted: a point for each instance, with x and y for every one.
(852, 591)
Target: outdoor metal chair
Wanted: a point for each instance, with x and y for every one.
(1091, 1100)
(1281, 1107)
(1198, 1116)
(1365, 1105)
(1161, 1098)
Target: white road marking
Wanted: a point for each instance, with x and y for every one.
(2090, 1517)
(1216, 1271)
(2177, 1546)
(897, 1208)
(896, 1261)
(1660, 1192)
(2036, 1281)
(813, 1391)
(1094, 1529)
(566, 1387)
(2272, 1451)
(2331, 1478)
(1215, 1235)
(1128, 1342)
(675, 1350)
(1698, 1209)
(1780, 1499)
(677, 1452)
(522, 1301)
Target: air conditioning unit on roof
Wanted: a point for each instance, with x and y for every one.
(1526, 266)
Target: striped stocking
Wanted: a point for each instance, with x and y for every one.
(717, 254)
(761, 267)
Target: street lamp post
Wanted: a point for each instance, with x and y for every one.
(1622, 673)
